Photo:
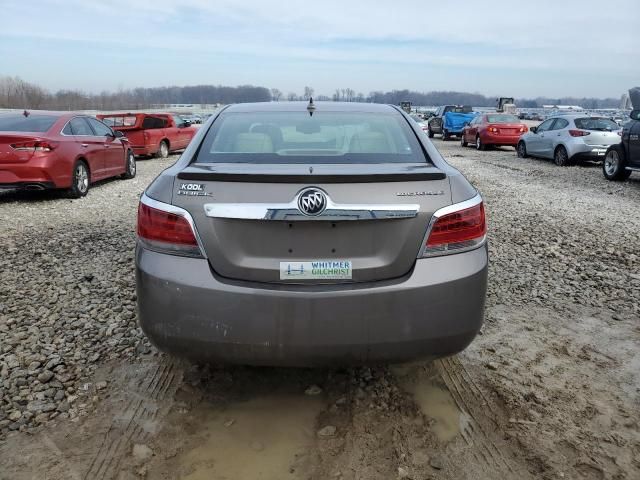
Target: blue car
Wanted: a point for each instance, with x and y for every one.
(453, 123)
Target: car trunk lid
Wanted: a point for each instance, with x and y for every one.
(10, 140)
(509, 129)
(251, 226)
(600, 138)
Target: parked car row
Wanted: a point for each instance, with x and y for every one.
(563, 138)
(535, 116)
(53, 150)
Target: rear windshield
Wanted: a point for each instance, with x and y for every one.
(502, 119)
(463, 109)
(154, 122)
(120, 121)
(297, 137)
(601, 124)
(32, 123)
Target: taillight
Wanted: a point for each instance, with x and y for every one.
(492, 129)
(578, 133)
(34, 146)
(166, 228)
(456, 228)
(523, 129)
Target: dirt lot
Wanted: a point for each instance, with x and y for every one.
(551, 389)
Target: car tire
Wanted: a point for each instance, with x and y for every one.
(479, 145)
(463, 142)
(429, 133)
(613, 166)
(163, 149)
(80, 180)
(561, 157)
(445, 135)
(130, 167)
(521, 149)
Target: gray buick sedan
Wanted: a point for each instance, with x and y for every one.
(307, 234)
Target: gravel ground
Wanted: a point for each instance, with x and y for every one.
(68, 296)
(551, 389)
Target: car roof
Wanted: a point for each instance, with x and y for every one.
(573, 116)
(133, 114)
(50, 113)
(319, 107)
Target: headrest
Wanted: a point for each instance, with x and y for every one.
(253, 143)
(369, 142)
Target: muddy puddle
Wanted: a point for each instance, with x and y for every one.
(433, 398)
(265, 438)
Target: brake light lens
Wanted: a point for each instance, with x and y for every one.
(524, 129)
(492, 129)
(167, 229)
(578, 133)
(457, 228)
(34, 146)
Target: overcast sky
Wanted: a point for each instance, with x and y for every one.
(516, 47)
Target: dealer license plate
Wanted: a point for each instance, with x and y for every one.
(316, 270)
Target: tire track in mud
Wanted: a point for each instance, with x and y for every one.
(478, 427)
(146, 400)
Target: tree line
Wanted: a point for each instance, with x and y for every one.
(17, 93)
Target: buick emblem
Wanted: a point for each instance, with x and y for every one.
(312, 201)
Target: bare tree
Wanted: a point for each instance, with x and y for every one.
(292, 97)
(308, 93)
(276, 95)
(350, 94)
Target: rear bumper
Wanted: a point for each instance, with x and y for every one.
(23, 175)
(504, 140)
(435, 310)
(590, 152)
(27, 186)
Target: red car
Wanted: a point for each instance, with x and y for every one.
(152, 133)
(41, 150)
(493, 129)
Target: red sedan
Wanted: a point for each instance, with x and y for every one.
(493, 129)
(41, 150)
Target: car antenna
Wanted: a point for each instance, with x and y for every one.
(25, 113)
(311, 107)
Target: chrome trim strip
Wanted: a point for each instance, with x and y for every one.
(472, 202)
(290, 212)
(167, 207)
